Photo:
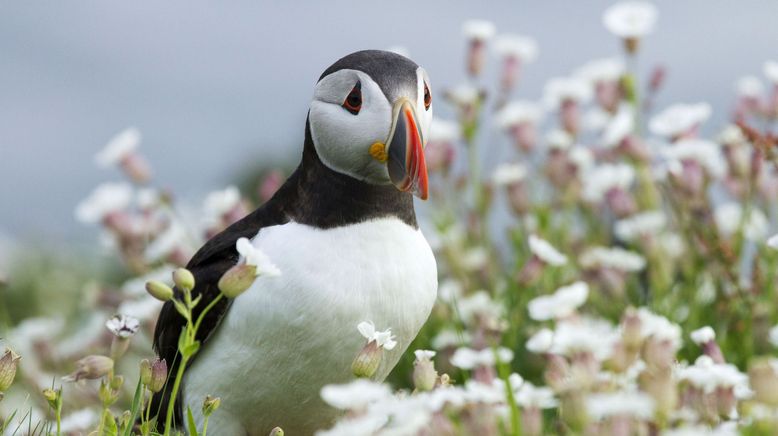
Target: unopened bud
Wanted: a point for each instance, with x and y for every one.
(91, 367)
(278, 431)
(237, 280)
(367, 361)
(107, 395)
(8, 365)
(158, 375)
(145, 372)
(210, 404)
(53, 397)
(183, 278)
(117, 382)
(424, 374)
(159, 290)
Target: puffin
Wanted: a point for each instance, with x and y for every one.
(343, 232)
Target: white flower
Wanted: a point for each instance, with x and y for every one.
(516, 46)
(475, 258)
(612, 257)
(703, 430)
(634, 404)
(464, 95)
(530, 396)
(218, 203)
(486, 393)
(772, 242)
(588, 335)
(355, 395)
(603, 178)
(560, 304)
(602, 70)
(630, 19)
(595, 119)
(731, 135)
(450, 338)
(773, 335)
(383, 339)
(770, 70)
(104, 200)
(78, 421)
(581, 157)
(518, 112)
(541, 341)
(424, 355)
(679, 118)
(166, 243)
(480, 30)
(703, 335)
(119, 147)
(749, 87)
(561, 89)
(252, 255)
(479, 305)
(145, 308)
(706, 153)
(672, 244)
(367, 424)
(708, 375)
(546, 252)
(146, 198)
(468, 358)
(640, 225)
(619, 127)
(507, 174)
(444, 131)
(729, 217)
(122, 326)
(659, 327)
(449, 290)
(559, 139)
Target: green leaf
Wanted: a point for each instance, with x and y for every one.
(191, 422)
(181, 308)
(135, 409)
(109, 424)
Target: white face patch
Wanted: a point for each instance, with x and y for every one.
(343, 139)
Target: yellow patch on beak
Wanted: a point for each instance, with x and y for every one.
(378, 151)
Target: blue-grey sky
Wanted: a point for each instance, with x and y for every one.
(213, 85)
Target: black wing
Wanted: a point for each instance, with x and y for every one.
(208, 265)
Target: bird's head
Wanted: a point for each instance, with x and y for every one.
(369, 119)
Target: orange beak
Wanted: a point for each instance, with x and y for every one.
(406, 164)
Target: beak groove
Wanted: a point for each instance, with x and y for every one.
(407, 166)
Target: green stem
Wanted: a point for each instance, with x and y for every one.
(206, 310)
(205, 425)
(174, 393)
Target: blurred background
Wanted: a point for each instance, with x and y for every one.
(220, 89)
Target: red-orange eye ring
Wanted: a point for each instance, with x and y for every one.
(427, 97)
(353, 101)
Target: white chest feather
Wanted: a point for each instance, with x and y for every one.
(287, 336)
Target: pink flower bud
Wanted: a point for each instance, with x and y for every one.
(8, 364)
(136, 168)
(91, 367)
(570, 116)
(367, 361)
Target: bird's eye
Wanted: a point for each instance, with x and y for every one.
(353, 101)
(427, 97)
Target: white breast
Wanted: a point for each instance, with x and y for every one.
(287, 336)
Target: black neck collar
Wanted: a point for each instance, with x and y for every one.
(318, 196)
